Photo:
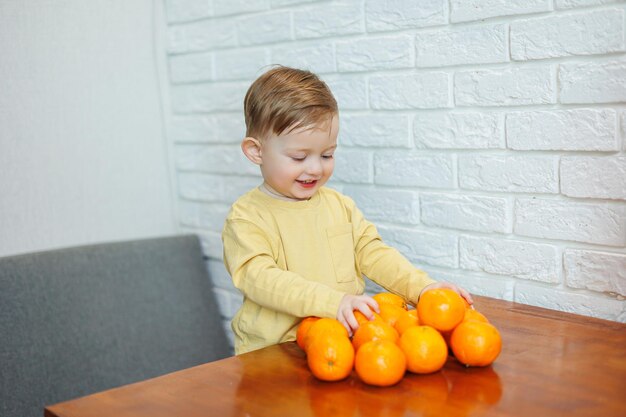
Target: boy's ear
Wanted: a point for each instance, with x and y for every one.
(251, 147)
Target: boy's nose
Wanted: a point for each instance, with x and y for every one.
(314, 167)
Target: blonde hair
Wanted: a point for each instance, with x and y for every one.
(283, 99)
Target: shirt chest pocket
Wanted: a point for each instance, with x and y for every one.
(341, 247)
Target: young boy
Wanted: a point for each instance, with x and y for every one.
(293, 247)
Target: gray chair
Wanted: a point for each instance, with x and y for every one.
(80, 320)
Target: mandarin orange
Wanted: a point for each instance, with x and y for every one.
(409, 319)
(441, 308)
(303, 329)
(425, 349)
(360, 317)
(472, 314)
(476, 343)
(380, 362)
(390, 298)
(391, 313)
(330, 357)
(373, 330)
(323, 326)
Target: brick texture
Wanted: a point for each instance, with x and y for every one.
(593, 82)
(464, 10)
(526, 260)
(565, 130)
(477, 45)
(508, 87)
(598, 271)
(587, 33)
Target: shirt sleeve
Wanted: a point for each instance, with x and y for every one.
(383, 264)
(248, 256)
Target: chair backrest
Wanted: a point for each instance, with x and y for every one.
(80, 320)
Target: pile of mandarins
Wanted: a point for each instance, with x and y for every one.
(400, 340)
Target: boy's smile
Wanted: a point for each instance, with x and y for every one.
(307, 184)
(296, 164)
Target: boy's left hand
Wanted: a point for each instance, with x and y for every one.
(462, 292)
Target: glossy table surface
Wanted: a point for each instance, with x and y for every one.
(552, 364)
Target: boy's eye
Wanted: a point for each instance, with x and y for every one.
(298, 158)
(327, 156)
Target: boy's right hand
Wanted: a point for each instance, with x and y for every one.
(345, 314)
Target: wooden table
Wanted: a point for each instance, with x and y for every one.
(552, 364)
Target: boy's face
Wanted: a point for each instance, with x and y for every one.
(296, 164)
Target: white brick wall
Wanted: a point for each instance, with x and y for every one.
(413, 169)
(365, 130)
(599, 271)
(422, 90)
(423, 246)
(563, 130)
(527, 260)
(584, 33)
(375, 53)
(514, 173)
(485, 138)
(466, 212)
(593, 82)
(473, 45)
(467, 10)
(594, 177)
(472, 130)
(389, 15)
(590, 222)
(505, 87)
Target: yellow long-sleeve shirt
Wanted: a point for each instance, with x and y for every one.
(297, 259)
